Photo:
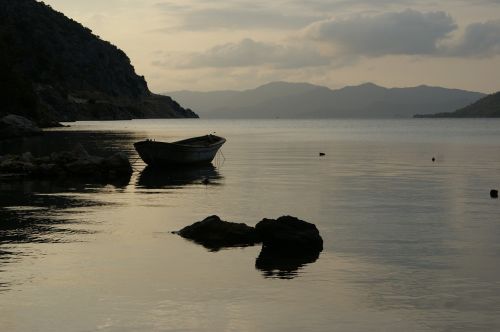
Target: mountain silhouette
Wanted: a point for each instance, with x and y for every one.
(54, 69)
(487, 107)
(303, 100)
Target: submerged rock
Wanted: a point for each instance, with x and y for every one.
(289, 234)
(214, 233)
(17, 126)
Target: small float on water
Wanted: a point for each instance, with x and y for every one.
(191, 151)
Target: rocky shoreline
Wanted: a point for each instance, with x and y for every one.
(66, 164)
(77, 163)
(13, 126)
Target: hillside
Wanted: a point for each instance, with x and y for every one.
(302, 100)
(54, 69)
(487, 107)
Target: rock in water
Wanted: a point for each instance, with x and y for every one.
(289, 234)
(69, 164)
(17, 126)
(118, 164)
(214, 233)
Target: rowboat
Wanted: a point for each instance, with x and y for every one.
(191, 151)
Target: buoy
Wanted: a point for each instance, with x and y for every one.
(494, 193)
(433, 159)
(321, 154)
(205, 181)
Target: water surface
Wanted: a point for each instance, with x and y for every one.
(410, 244)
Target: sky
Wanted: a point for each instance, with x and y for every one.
(218, 45)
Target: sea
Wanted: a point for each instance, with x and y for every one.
(411, 235)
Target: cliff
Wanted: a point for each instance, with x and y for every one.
(487, 107)
(54, 69)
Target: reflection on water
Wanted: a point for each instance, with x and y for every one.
(409, 245)
(156, 178)
(283, 264)
(40, 212)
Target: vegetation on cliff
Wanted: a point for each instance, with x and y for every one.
(54, 69)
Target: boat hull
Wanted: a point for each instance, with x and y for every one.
(173, 154)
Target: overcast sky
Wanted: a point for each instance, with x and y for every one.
(240, 44)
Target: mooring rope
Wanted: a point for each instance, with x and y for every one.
(219, 159)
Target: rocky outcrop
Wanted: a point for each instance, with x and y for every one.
(288, 243)
(289, 234)
(67, 164)
(17, 126)
(53, 68)
(214, 233)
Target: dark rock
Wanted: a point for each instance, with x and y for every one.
(118, 164)
(71, 164)
(283, 264)
(17, 126)
(15, 165)
(92, 166)
(494, 193)
(289, 234)
(63, 157)
(79, 152)
(214, 233)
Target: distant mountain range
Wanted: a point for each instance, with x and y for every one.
(486, 107)
(303, 100)
(54, 69)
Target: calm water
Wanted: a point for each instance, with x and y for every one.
(409, 244)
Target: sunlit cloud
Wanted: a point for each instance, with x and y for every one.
(247, 53)
(409, 32)
(237, 17)
(479, 40)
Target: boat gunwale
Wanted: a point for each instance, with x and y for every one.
(219, 141)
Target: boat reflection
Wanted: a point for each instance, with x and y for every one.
(157, 178)
(282, 264)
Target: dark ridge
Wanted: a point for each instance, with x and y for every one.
(487, 107)
(54, 69)
(302, 100)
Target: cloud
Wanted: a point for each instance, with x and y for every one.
(243, 18)
(408, 32)
(479, 40)
(329, 5)
(170, 6)
(247, 53)
(237, 15)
